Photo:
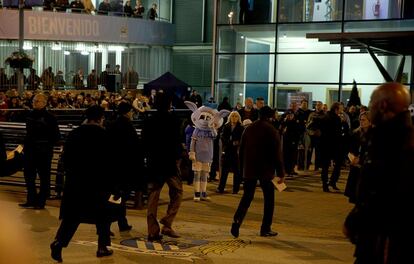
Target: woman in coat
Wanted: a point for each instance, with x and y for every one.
(230, 138)
(358, 148)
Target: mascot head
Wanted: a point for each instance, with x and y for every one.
(206, 118)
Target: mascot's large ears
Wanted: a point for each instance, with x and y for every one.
(218, 118)
(192, 106)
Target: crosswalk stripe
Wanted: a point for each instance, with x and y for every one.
(141, 244)
(157, 246)
(172, 247)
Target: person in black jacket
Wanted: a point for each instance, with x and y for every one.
(382, 218)
(88, 185)
(126, 150)
(42, 134)
(230, 138)
(152, 13)
(3, 155)
(331, 148)
(163, 149)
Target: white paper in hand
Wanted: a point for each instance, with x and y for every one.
(112, 199)
(279, 186)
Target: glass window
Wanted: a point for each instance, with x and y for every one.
(372, 9)
(308, 68)
(237, 92)
(310, 10)
(245, 68)
(361, 67)
(292, 38)
(379, 26)
(234, 38)
(246, 11)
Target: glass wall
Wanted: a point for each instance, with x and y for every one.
(274, 59)
(71, 58)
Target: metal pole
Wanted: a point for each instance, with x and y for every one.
(20, 79)
(213, 64)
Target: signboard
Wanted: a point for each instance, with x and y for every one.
(298, 97)
(57, 26)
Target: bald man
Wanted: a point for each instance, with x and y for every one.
(382, 228)
(42, 132)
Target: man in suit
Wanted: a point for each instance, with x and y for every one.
(260, 156)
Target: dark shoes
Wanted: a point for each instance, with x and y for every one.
(269, 233)
(155, 238)
(32, 205)
(125, 228)
(219, 190)
(235, 229)
(325, 188)
(56, 251)
(333, 185)
(104, 252)
(27, 205)
(169, 232)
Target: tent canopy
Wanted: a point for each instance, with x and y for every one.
(169, 84)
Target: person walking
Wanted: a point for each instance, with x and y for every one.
(126, 149)
(162, 144)
(88, 184)
(42, 133)
(260, 156)
(381, 223)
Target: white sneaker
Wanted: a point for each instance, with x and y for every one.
(196, 199)
(207, 198)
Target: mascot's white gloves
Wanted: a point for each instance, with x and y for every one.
(192, 156)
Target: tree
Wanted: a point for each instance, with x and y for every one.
(354, 98)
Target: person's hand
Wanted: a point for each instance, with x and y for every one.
(280, 180)
(355, 162)
(191, 156)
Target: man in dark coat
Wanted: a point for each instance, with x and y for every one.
(3, 155)
(383, 229)
(126, 155)
(42, 134)
(87, 184)
(260, 156)
(163, 149)
(330, 145)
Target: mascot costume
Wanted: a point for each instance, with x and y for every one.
(206, 121)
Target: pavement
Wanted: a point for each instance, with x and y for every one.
(309, 223)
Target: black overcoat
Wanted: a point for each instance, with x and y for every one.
(87, 166)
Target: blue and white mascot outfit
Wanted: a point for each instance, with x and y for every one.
(206, 121)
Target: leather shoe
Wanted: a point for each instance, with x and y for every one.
(235, 229)
(27, 205)
(104, 252)
(56, 251)
(169, 232)
(125, 228)
(157, 237)
(269, 233)
(333, 185)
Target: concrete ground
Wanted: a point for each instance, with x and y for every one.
(309, 223)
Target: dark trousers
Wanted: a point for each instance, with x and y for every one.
(230, 163)
(315, 145)
(290, 154)
(176, 194)
(122, 220)
(68, 228)
(37, 163)
(248, 195)
(326, 162)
